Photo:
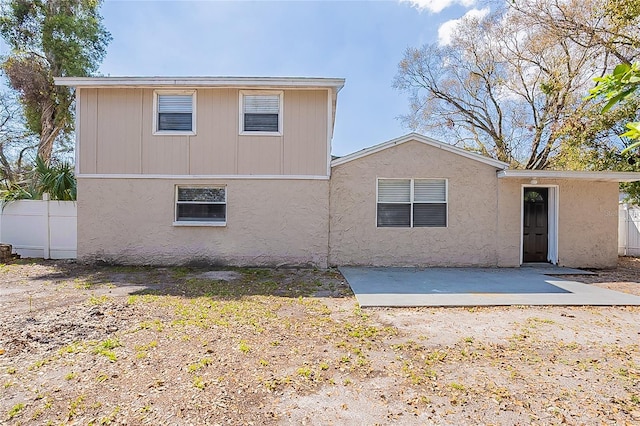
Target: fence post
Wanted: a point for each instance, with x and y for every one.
(623, 229)
(47, 242)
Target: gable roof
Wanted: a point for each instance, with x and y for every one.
(422, 139)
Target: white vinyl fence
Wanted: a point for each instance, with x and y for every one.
(39, 228)
(629, 230)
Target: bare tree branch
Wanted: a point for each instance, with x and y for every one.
(511, 85)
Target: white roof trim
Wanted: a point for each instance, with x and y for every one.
(266, 82)
(605, 176)
(423, 139)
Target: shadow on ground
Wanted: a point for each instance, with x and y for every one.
(216, 282)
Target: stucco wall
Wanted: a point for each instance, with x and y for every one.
(509, 223)
(269, 222)
(470, 239)
(587, 222)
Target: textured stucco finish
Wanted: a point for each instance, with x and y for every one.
(317, 222)
(509, 223)
(587, 222)
(470, 239)
(484, 215)
(269, 222)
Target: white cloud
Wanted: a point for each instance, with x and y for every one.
(436, 6)
(446, 30)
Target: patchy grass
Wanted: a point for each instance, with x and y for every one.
(98, 300)
(265, 349)
(15, 410)
(105, 348)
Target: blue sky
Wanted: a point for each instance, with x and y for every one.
(361, 41)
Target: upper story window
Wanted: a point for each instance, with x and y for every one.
(174, 112)
(412, 203)
(260, 112)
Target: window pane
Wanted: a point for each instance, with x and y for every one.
(260, 122)
(202, 212)
(210, 195)
(175, 112)
(174, 121)
(261, 104)
(430, 215)
(175, 103)
(430, 190)
(394, 190)
(394, 215)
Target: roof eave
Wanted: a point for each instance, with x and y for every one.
(423, 139)
(264, 82)
(602, 176)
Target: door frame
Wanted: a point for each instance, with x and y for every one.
(552, 217)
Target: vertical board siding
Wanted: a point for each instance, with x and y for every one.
(259, 155)
(88, 129)
(213, 149)
(119, 130)
(116, 136)
(305, 132)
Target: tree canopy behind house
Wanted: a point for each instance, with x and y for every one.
(511, 82)
(50, 38)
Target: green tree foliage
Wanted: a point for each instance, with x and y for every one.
(510, 84)
(56, 179)
(619, 90)
(619, 87)
(50, 38)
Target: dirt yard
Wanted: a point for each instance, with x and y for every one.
(94, 345)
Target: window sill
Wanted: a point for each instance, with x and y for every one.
(173, 133)
(260, 133)
(194, 223)
(413, 227)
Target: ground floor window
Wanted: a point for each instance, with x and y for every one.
(412, 203)
(201, 205)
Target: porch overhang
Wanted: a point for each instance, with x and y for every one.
(604, 176)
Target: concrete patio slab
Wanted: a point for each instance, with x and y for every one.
(477, 287)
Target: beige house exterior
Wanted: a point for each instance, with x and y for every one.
(193, 170)
(238, 171)
(484, 210)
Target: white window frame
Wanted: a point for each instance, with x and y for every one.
(412, 201)
(177, 222)
(244, 93)
(156, 94)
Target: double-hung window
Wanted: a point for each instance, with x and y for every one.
(260, 112)
(200, 205)
(412, 203)
(174, 112)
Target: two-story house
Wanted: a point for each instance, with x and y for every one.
(212, 169)
(239, 171)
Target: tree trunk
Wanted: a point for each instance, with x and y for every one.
(48, 133)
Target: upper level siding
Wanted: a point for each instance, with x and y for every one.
(116, 136)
